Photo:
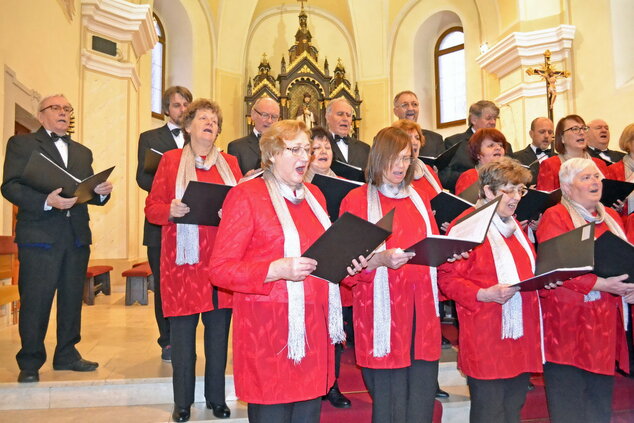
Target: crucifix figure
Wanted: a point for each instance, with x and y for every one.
(550, 75)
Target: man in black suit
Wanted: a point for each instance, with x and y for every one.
(406, 106)
(264, 113)
(598, 141)
(482, 114)
(167, 137)
(345, 148)
(53, 240)
(542, 135)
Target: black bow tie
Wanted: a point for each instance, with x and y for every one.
(55, 137)
(340, 138)
(539, 151)
(176, 131)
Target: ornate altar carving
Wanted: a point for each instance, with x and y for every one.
(304, 87)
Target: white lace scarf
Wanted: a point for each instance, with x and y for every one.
(420, 171)
(292, 248)
(187, 242)
(381, 296)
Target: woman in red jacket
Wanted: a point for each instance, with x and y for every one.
(584, 331)
(187, 292)
(624, 169)
(499, 326)
(396, 324)
(486, 145)
(570, 142)
(285, 321)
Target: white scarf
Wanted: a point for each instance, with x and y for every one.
(310, 174)
(187, 242)
(292, 248)
(421, 170)
(381, 296)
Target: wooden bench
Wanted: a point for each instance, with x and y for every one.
(150, 279)
(97, 280)
(136, 283)
(9, 268)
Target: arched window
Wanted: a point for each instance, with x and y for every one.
(451, 89)
(158, 69)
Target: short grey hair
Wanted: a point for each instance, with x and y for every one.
(338, 100)
(572, 167)
(476, 109)
(261, 100)
(42, 101)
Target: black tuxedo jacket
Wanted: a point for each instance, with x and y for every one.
(358, 152)
(247, 151)
(34, 224)
(160, 139)
(434, 145)
(614, 156)
(527, 156)
(461, 161)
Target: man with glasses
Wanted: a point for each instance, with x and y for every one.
(53, 240)
(345, 148)
(482, 114)
(264, 113)
(406, 106)
(165, 138)
(598, 138)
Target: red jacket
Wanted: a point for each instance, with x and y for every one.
(588, 335)
(483, 354)
(548, 176)
(424, 187)
(251, 238)
(185, 289)
(410, 289)
(466, 179)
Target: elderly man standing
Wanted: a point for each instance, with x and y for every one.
(345, 148)
(542, 135)
(264, 113)
(482, 114)
(165, 138)
(406, 106)
(599, 141)
(53, 240)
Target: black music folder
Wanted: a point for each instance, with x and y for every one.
(563, 257)
(43, 174)
(467, 233)
(536, 202)
(472, 193)
(447, 207)
(204, 200)
(613, 257)
(442, 160)
(151, 160)
(334, 189)
(347, 239)
(614, 190)
(347, 171)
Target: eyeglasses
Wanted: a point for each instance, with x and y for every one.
(267, 116)
(522, 191)
(413, 104)
(577, 129)
(299, 151)
(57, 108)
(406, 160)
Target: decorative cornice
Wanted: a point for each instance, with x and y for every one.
(531, 89)
(527, 49)
(266, 83)
(122, 21)
(109, 66)
(299, 58)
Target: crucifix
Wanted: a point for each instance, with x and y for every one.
(550, 76)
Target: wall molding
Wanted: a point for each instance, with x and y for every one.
(531, 89)
(110, 66)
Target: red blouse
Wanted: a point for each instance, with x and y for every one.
(466, 179)
(424, 187)
(185, 289)
(548, 176)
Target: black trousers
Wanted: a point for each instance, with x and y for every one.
(59, 267)
(183, 341)
(576, 395)
(497, 400)
(154, 258)
(295, 412)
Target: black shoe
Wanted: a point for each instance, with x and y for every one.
(80, 365)
(166, 354)
(220, 411)
(445, 344)
(531, 386)
(28, 376)
(441, 394)
(181, 414)
(336, 398)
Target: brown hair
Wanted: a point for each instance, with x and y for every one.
(498, 173)
(194, 107)
(319, 132)
(387, 144)
(475, 142)
(272, 139)
(409, 125)
(559, 132)
(167, 95)
(627, 136)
